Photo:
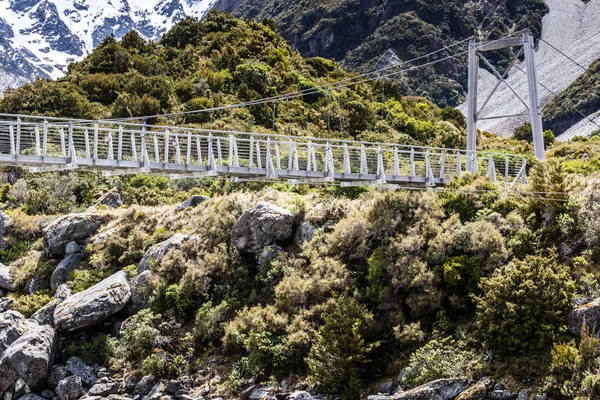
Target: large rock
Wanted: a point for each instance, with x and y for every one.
(305, 233)
(34, 285)
(192, 202)
(12, 326)
(478, 390)
(140, 293)
(5, 222)
(6, 282)
(76, 366)
(260, 227)
(57, 374)
(5, 304)
(69, 388)
(111, 199)
(45, 315)
(63, 270)
(28, 358)
(157, 252)
(585, 312)
(104, 389)
(75, 227)
(441, 389)
(62, 292)
(501, 394)
(93, 305)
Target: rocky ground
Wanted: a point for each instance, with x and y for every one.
(32, 350)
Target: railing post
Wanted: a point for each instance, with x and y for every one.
(134, 145)
(45, 139)
(277, 155)
(37, 141)
(429, 179)
(120, 143)
(177, 150)
(188, 156)
(491, 172)
(199, 150)
(396, 162)
(458, 164)
(364, 167)
(18, 145)
(329, 166)
(258, 156)
(380, 166)
(88, 154)
(443, 165)
(156, 148)
(111, 150)
(219, 152)
(63, 147)
(167, 140)
(211, 155)
(96, 133)
(11, 135)
(347, 167)
(413, 172)
(71, 141)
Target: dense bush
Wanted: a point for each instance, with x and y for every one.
(523, 305)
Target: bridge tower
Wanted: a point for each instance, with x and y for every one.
(476, 53)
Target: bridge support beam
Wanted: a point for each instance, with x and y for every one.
(476, 50)
(534, 98)
(472, 106)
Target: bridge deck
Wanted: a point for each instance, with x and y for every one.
(48, 144)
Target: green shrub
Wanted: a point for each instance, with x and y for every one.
(96, 351)
(209, 325)
(29, 304)
(341, 348)
(441, 358)
(523, 306)
(81, 280)
(154, 365)
(139, 335)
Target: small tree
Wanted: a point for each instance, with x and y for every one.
(340, 349)
(524, 305)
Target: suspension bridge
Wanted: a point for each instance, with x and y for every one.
(124, 146)
(45, 144)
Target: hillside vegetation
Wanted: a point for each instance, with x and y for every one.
(358, 33)
(254, 290)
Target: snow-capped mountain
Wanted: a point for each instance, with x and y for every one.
(39, 38)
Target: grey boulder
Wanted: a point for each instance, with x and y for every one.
(45, 315)
(76, 227)
(69, 388)
(5, 304)
(63, 270)
(32, 396)
(112, 199)
(62, 292)
(34, 285)
(140, 293)
(72, 248)
(478, 390)
(12, 326)
(156, 253)
(501, 394)
(441, 389)
(28, 358)
(584, 313)
(260, 227)
(6, 282)
(305, 233)
(93, 305)
(76, 366)
(104, 389)
(5, 222)
(144, 385)
(57, 374)
(192, 202)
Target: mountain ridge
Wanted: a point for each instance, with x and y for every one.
(40, 38)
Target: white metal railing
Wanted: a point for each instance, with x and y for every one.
(46, 144)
